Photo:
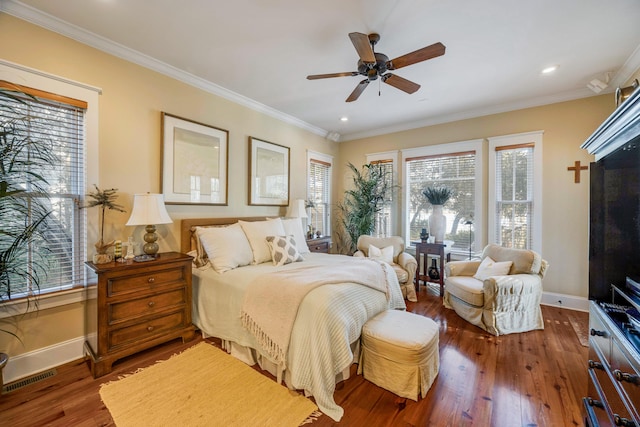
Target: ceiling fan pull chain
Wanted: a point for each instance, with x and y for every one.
(379, 87)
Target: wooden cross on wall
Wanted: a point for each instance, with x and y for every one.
(576, 168)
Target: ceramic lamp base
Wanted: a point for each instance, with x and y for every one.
(150, 247)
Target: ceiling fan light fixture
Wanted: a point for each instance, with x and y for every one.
(344, 119)
(550, 69)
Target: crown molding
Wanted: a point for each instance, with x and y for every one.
(44, 20)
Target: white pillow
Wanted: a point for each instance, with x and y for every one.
(293, 227)
(384, 254)
(226, 247)
(257, 232)
(489, 267)
(283, 250)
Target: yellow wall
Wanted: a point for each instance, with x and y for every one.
(129, 152)
(565, 204)
(130, 105)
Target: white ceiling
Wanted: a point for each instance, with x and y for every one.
(259, 52)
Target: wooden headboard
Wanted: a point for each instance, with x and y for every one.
(186, 227)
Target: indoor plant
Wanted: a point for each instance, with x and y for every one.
(438, 197)
(106, 200)
(357, 211)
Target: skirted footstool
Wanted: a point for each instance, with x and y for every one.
(400, 353)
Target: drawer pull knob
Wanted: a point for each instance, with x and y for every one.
(623, 376)
(621, 421)
(152, 279)
(596, 403)
(149, 328)
(595, 333)
(595, 365)
(151, 304)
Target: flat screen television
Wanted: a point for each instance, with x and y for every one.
(614, 238)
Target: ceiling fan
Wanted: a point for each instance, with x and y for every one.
(373, 64)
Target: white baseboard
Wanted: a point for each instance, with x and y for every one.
(26, 364)
(570, 302)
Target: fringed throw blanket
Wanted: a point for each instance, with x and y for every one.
(271, 302)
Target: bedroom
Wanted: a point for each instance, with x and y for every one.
(129, 159)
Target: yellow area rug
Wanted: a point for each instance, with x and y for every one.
(203, 386)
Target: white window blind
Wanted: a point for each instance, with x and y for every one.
(454, 170)
(319, 193)
(382, 225)
(55, 123)
(514, 196)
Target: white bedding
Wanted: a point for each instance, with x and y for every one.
(329, 320)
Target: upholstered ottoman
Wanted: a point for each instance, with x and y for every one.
(400, 353)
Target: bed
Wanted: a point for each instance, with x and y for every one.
(323, 339)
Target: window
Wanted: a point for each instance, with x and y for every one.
(64, 114)
(457, 166)
(54, 125)
(319, 192)
(514, 195)
(385, 218)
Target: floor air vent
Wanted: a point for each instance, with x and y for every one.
(28, 381)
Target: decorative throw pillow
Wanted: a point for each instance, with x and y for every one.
(293, 227)
(257, 232)
(384, 254)
(489, 267)
(283, 250)
(226, 247)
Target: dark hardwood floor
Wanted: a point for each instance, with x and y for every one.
(531, 379)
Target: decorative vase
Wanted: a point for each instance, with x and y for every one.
(437, 224)
(433, 272)
(102, 258)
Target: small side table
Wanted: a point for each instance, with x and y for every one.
(427, 249)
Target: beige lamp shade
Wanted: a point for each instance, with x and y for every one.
(148, 209)
(296, 209)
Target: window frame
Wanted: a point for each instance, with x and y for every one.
(324, 158)
(476, 145)
(535, 138)
(50, 83)
(388, 157)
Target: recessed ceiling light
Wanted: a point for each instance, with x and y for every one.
(550, 69)
(344, 119)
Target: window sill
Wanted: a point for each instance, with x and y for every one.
(47, 301)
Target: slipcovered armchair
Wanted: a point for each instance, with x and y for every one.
(403, 263)
(500, 294)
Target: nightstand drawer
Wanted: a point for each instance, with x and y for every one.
(319, 247)
(146, 306)
(147, 329)
(130, 283)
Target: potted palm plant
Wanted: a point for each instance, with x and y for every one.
(24, 219)
(357, 211)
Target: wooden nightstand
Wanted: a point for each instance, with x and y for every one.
(139, 305)
(320, 244)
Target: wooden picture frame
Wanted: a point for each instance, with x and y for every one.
(195, 162)
(268, 173)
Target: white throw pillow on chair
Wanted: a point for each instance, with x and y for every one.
(384, 254)
(489, 267)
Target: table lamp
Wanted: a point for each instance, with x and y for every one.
(148, 210)
(296, 209)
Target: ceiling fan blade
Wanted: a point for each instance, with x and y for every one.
(436, 49)
(358, 90)
(327, 76)
(400, 83)
(363, 47)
